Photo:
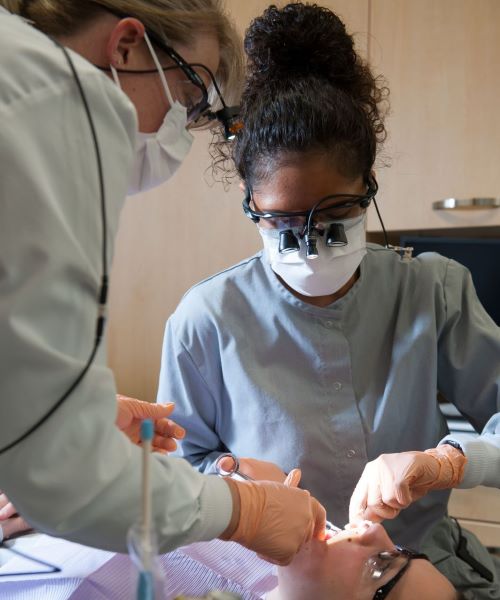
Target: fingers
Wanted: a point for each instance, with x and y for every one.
(140, 409)
(166, 432)
(293, 478)
(163, 443)
(369, 502)
(382, 491)
(358, 503)
(261, 470)
(169, 428)
(3, 500)
(380, 512)
(13, 526)
(148, 410)
(226, 464)
(7, 509)
(319, 514)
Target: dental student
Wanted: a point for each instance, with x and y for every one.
(322, 351)
(95, 98)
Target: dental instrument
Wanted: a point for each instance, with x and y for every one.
(145, 587)
(235, 471)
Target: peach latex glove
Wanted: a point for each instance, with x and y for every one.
(130, 414)
(274, 519)
(392, 482)
(10, 522)
(260, 470)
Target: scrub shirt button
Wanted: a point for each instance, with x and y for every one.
(351, 453)
(337, 386)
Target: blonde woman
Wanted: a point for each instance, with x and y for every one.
(96, 98)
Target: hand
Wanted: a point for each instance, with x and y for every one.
(260, 470)
(392, 482)
(273, 519)
(10, 522)
(132, 412)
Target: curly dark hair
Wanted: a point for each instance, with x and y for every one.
(307, 90)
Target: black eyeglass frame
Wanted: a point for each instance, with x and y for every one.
(227, 115)
(362, 199)
(384, 590)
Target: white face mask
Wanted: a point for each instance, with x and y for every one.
(325, 274)
(159, 155)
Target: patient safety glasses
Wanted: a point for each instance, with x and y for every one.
(325, 218)
(388, 567)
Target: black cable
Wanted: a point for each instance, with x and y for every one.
(382, 223)
(103, 291)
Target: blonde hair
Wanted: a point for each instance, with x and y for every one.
(177, 21)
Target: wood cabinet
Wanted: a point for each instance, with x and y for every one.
(441, 60)
(478, 510)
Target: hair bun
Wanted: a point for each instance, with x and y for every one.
(299, 40)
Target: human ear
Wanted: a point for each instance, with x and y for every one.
(124, 42)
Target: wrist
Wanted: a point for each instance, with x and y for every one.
(453, 444)
(235, 516)
(451, 465)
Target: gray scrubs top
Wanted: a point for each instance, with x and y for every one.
(256, 371)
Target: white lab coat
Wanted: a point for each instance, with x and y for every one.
(77, 476)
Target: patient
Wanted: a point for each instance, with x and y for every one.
(352, 566)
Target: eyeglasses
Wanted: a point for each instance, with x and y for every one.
(193, 90)
(324, 218)
(393, 563)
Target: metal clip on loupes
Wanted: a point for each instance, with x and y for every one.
(234, 470)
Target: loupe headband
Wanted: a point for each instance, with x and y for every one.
(351, 200)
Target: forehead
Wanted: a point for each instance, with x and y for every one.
(299, 184)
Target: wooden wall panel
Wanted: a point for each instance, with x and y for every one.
(441, 60)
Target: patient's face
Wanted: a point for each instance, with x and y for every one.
(335, 568)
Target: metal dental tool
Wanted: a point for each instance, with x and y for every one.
(234, 471)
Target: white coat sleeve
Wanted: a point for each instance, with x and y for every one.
(469, 376)
(77, 476)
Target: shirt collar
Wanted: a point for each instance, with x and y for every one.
(335, 310)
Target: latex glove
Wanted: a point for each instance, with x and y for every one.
(273, 519)
(260, 470)
(10, 522)
(393, 481)
(132, 412)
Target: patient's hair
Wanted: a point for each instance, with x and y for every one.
(307, 91)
